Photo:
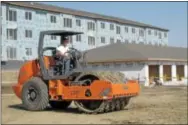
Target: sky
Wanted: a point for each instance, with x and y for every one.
(170, 15)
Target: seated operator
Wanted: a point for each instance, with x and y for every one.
(62, 49)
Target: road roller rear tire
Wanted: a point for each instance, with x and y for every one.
(35, 95)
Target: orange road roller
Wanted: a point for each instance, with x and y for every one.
(44, 81)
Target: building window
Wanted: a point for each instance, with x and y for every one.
(102, 25)
(141, 42)
(118, 30)
(91, 26)
(118, 41)
(141, 32)
(28, 33)
(12, 15)
(133, 30)
(150, 43)
(149, 32)
(111, 40)
(126, 29)
(102, 39)
(95, 66)
(117, 65)
(1, 10)
(78, 22)
(12, 34)
(129, 64)
(70, 39)
(28, 51)
(126, 41)
(68, 22)
(133, 41)
(53, 19)
(53, 37)
(111, 26)
(155, 32)
(106, 65)
(91, 40)
(78, 38)
(11, 53)
(28, 15)
(160, 35)
(165, 35)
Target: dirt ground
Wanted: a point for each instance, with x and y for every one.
(162, 105)
(9, 76)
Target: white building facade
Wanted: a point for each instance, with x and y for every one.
(141, 71)
(21, 25)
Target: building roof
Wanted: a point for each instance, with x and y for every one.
(135, 52)
(56, 9)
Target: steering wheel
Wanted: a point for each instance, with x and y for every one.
(74, 52)
(71, 48)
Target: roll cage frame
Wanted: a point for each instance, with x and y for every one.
(46, 73)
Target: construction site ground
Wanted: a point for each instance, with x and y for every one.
(162, 105)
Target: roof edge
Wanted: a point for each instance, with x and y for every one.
(137, 60)
(113, 20)
(118, 61)
(167, 59)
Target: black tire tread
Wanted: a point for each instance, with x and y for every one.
(108, 106)
(43, 101)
